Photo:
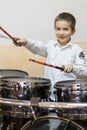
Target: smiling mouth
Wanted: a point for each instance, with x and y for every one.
(61, 37)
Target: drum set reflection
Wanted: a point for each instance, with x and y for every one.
(25, 104)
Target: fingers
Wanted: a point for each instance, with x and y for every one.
(16, 42)
(67, 68)
(19, 42)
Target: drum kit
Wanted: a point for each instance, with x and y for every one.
(25, 104)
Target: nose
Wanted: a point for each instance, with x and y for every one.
(61, 31)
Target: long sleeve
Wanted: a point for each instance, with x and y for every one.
(80, 70)
(37, 47)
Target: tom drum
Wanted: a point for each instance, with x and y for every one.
(72, 92)
(23, 88)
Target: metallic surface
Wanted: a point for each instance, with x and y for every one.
(22, 88)
(52, 123)
(74, 91)
(12, 72)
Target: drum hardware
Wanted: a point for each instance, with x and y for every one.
(32, 103)
(24, 109)
(14, 102)
(33, 112)
(59, 105)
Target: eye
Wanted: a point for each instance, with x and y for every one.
(65, 29)
(58, 28)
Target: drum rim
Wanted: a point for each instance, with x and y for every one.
(42, 83)
(8, 80)
(48, 80)
(14, 70)
(53, 117)
(70, 82)
(5, 78)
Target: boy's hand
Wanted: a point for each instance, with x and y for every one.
(67, 68)
(20, 42)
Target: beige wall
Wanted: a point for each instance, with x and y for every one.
(83, 46)
(12, 57)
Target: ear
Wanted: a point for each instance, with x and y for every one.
(73, 32)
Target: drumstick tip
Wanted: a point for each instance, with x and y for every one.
(31, 59)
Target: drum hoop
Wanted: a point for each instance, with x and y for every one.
(6, 79)
(38, 78)
(54, 117)
(71, 82)
(2, 70)
(41, 83)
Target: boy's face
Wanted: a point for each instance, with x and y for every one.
(63, 31)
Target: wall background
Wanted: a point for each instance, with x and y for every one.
(35, 19)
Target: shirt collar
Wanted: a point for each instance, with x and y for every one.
(67, 45)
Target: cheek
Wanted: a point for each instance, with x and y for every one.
(57, 33)
(68, 34)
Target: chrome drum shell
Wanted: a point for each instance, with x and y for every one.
(23, 88)
(74, 91)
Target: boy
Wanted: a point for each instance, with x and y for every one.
(61, 52)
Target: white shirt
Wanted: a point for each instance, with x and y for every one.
(57, 55)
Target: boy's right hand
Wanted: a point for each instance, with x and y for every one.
(20, 41)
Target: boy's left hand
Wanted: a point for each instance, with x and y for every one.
(67, 68)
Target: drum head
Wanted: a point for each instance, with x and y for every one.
(14, 79)
(12, 72)
(72, 82)
(52, 123)
(39, 81)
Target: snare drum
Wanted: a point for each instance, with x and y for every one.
(72, 91)
(52, 123)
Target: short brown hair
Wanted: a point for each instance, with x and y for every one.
(66, 17)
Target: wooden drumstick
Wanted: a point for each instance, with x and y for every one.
(49, 65)
(9, 35)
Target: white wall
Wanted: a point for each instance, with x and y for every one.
(35, 18)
